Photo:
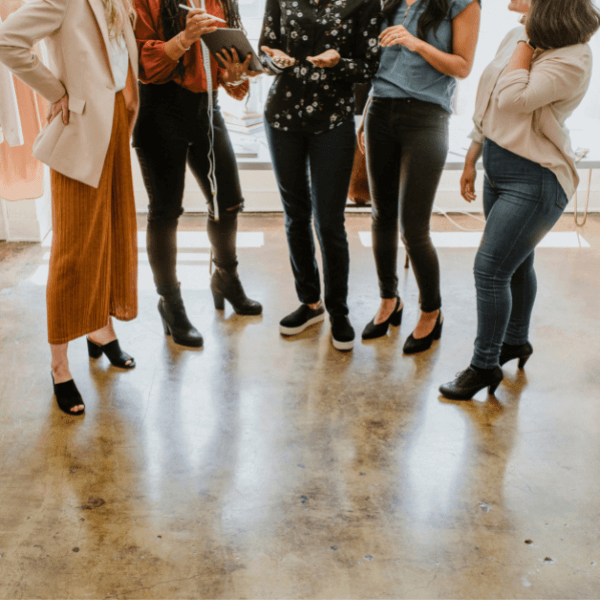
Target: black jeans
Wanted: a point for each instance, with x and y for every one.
(172, 131)
(407, 145)
(313, 174)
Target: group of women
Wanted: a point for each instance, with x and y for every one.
(412, 52)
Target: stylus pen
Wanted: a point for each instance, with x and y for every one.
(211, 16)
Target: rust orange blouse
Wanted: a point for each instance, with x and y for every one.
(157, 67)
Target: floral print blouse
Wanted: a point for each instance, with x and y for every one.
(305, 97)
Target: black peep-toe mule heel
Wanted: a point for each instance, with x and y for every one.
(113, 352)
(67, 396)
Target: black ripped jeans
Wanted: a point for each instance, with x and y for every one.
(407, 145)
(172, 131)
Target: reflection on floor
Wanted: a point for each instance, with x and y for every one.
(264, 467)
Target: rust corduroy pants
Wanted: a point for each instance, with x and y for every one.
(93, 262)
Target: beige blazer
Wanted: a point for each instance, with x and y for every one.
(76, 34)
(525, 111)
(10, 122)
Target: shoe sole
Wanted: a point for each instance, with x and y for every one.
(343, 346)
(296, 330)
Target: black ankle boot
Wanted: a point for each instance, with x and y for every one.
(175, 320)
(226, 285)
(470, 381)
(510, 352)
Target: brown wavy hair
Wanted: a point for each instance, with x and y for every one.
(559, 23)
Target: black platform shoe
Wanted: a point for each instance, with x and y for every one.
(113, 352)
(67, 396)
(175, 320)
(470, 381)
(226, 285)
(413, 345)
(372, 331)
(510, 352)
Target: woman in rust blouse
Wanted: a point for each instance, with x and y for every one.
(176, 127)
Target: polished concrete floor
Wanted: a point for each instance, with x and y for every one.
(264, 467)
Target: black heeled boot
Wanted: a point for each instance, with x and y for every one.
(510, 352)
(470, 381)
(226, 285)
(175, 320)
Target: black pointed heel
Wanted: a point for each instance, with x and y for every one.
(67, 396)
(413, 345)
(470, 381)
(113, 352)
(372, 331)
(510, 352)
(219, 300)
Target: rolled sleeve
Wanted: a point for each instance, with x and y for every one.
(156, 66)
(548, 81)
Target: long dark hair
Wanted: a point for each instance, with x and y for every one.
(431, 18)
(173, 19)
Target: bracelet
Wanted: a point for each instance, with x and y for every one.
(180, 43)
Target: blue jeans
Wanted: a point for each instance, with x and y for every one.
(313, 174)
(522, 201)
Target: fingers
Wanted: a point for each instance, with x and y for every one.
(228, 57)
(268, 50)
(246, 63)
(65, 113)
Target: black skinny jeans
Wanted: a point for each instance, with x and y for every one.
(313, 174)
(407, 145)
(172, 131)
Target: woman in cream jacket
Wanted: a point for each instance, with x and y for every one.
(90, 86)
(539, 76)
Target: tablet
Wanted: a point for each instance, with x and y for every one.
(232, 38)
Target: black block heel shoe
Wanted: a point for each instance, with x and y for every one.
(470, 381)
(226, 285)
(67, 396)
(510, 352)
(113, 352)
(175, 320)
(413, 345)
(372, 331)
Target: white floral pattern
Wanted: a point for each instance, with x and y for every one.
(302, 28)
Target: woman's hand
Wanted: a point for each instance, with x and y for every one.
(467, 182)
(279, 54)
(325, 60)
(234, 70)
(62, 106)
(399, 35)
(198, 23)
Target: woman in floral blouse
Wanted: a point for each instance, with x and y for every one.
(317, 50)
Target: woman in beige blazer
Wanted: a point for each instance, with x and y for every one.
(90, 85)
(539, 76)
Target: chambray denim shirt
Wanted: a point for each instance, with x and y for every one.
(405, 74)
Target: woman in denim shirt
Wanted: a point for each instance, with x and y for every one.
(427, 45)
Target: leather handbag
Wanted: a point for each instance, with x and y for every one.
(359, 182)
